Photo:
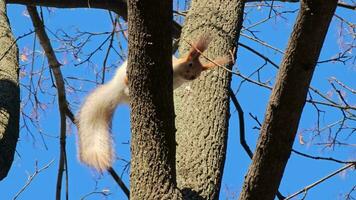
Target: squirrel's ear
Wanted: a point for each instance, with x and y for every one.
(218, 61)
(199, 46)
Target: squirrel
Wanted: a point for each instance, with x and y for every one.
(95, 115)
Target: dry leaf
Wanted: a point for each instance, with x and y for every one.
(301, 140)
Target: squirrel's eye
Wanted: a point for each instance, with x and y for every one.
(190, 64)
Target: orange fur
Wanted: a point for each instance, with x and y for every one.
(216, 62)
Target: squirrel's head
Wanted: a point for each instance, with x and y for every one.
(190, 66)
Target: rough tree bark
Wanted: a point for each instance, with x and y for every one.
(202, 106)
(9, 94)
(151, 100)
(287, 100)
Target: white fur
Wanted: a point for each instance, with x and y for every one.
(94, 121)
(95, 116)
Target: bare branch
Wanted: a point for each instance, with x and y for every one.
(320, 181)
(114, 22)
(321, 158)
(119, 182)
(242, 131)
(14, 43)
(262, 43)
(241, 123)
(348, 196)
(118, 6)
(345, 5)
(62, 102)
(104, 193)
(343, 85)
(32, 177)
(259, 54)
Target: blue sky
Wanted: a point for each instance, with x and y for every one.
(300, 171)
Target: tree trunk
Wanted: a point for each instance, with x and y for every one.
(287, 100)
(151, 99)
(9, 94)
(202, 106)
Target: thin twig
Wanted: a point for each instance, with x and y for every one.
(331, 104)
(17, 39)
(262, 42)
(32, 177)
(94, 52)
(320, 181)
(259, 54)
(348, 6)
(242, 131)
(104, 193)
(119, 182)
(335, 105)
(343, 85)
(241, 123)
(112, 35)
(322, 158)
(340, 94)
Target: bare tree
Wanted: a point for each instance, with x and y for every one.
(188, 163)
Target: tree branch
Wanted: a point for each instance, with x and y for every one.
(348, 6)
(62, 101)
(322, 158)
(118, 6)
(287, 100)
(241, 123)
(32, 177)
(242, 131)
(320, 181)
(119, 182)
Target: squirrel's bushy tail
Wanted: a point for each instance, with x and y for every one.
(95, 144)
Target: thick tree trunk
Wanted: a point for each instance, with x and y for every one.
(151, 100)
(202, 106)
(9, 94)
(287, 100)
